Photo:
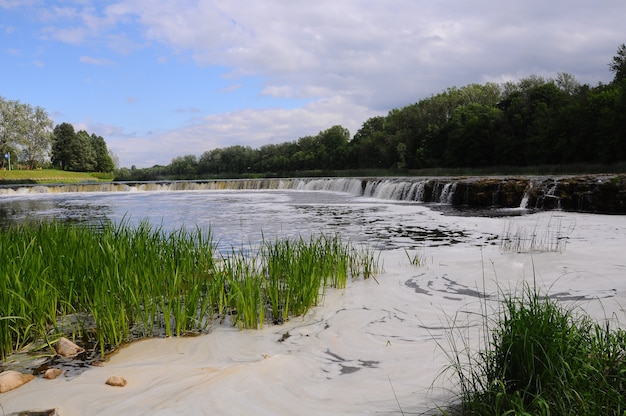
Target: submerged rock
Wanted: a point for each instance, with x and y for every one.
(66, 348)
(11, 379)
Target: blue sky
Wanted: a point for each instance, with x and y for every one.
(165, 78)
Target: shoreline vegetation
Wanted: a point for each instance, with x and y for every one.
(105, 286)
(57, 176)
(49, 176)
(537, 356)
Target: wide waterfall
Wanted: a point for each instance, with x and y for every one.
(600, 193)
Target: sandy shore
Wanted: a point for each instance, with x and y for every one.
(373, 348)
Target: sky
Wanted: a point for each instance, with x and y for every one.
(159, 79)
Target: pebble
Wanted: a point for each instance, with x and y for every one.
(116, 381)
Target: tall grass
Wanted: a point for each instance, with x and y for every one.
(117, 283)
(551, 236)
(539, 357)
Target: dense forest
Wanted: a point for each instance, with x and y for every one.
(530, 122)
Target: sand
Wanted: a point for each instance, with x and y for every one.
(377, 347)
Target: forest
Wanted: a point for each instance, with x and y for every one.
(530, 122)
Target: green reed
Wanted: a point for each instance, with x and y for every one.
(117, 283)
(539, 357)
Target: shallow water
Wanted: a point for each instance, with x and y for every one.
(237, 218)
(379, 346)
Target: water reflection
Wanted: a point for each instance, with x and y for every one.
(15, 211)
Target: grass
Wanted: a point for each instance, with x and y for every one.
(541, 237)
(117, 283)
(416, 259)
(539, 357)
(47, 176)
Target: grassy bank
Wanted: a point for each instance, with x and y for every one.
(539, 357)
(115, 284)
(45, 176)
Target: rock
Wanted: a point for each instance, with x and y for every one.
(10, 380)
(52, 373)
(116, 381)
(66, 348)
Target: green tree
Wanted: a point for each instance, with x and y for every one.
(618, 64)
(332, 148)
(184, 166)
(63, 136)
(210, 162)
(82, 155)
(13, 115)
(103, 162)
(369, 144)
(472, 133)
(36, 137)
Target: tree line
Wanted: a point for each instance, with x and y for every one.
(27, 140)
(530, 122)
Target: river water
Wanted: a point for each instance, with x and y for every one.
(377, 347)
(243, 217)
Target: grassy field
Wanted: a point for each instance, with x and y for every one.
(10, 177)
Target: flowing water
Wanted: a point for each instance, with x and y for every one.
(378, 346)
(237, 217)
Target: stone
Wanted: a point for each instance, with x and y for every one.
(52, 373)
(49, 412)
(116, 381)
(66, 348)
(11, 379)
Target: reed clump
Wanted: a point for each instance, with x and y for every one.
(116, 283)
(539, 357)
(542, 237)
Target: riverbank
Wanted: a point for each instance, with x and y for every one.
(48, 176)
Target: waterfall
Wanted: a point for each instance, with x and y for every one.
(447, 193)
(526, 197)
(398, 189)
(543, 193)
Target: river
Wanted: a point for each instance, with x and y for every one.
(377, 347)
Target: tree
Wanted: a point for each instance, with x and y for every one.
(618, 64)
(63, 134)
(102, 157)
(25, 132)
(80, 151)
(567, 83)
(36, 137)
(472, 133)
(184, 165)
(332, 147)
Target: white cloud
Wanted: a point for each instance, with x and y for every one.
(246, 127)
(94, 61)
(348, 59)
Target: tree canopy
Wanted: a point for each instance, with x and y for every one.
(25, 134)
(79, 151)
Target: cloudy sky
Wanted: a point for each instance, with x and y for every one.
(165, 78)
